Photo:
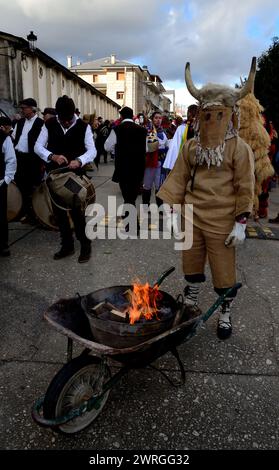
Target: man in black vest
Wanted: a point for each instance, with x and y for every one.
(66, 140)
(29, 166)
(128, 142)
(7, 172)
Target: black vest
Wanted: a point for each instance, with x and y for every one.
(130, 151)
(33, 134)
(3, 137)
(71, 144)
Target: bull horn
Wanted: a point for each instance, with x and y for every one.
(249, 85)
(189, 82)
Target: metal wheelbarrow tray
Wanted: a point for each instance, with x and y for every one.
(79, 391)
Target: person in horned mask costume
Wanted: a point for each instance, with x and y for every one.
(215, 173)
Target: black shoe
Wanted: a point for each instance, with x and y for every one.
(28, 219)
(85, 253)
(274, 221)
(65, 251)
(5, 252)
(224, 329)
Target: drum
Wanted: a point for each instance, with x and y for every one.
(14, 204)
(42, 207)
(91, 194)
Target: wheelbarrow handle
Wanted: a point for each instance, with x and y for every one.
(163, 276)
(220, 301)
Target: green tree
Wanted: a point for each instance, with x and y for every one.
(267, 82)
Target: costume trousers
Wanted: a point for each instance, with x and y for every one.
(221, 259)
(3, 216)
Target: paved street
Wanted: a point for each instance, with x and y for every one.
(230, 398)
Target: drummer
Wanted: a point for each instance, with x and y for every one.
(7, 173)
(66, 140)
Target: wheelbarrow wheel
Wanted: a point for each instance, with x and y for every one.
(74, 384)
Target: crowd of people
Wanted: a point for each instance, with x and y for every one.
(202, 161)
(31, 147)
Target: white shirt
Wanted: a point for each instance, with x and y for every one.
(22, 145)
(88, 157)
(9, 159)
(174, 147)
(163, 142)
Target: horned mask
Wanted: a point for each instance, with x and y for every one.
(218, 115)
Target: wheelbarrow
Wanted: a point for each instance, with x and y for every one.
(78, 392)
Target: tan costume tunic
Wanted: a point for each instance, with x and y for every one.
(219, 193)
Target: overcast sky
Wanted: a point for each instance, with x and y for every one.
(218, 37)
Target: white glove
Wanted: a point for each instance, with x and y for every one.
(237, 235)
(172, 221)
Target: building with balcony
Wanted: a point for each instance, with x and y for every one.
(126, 83)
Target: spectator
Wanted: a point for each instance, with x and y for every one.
(48, 113)
(29, 166)
(183, 132)
(128, 143)
(154, 173)
(7, 172)
(102, 134)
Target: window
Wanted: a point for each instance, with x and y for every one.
(119, 95)
(95, 77)
(120, 76)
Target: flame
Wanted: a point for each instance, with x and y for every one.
(143, 301)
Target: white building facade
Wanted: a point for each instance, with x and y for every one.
(27, 72)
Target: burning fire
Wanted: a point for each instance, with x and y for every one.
(143, 301)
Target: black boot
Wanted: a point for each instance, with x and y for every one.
(64, 251)
(67, 246)
(275, 220)
(159, 201)
(85, 252)
(5, 251)
(146, 196)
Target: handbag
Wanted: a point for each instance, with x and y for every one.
(68, 190)
(152, 141)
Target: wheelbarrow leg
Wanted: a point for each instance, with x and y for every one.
(181, 367)
(85, 352)
(69, 349)
(174, 351)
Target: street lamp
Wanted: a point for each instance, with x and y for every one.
(32, 38)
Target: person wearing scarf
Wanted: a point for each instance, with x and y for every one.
(154, 174)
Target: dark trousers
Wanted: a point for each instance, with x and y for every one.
(130, 191)
(78, 217)
(98, 157)
(27, 177)
(3, 217)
